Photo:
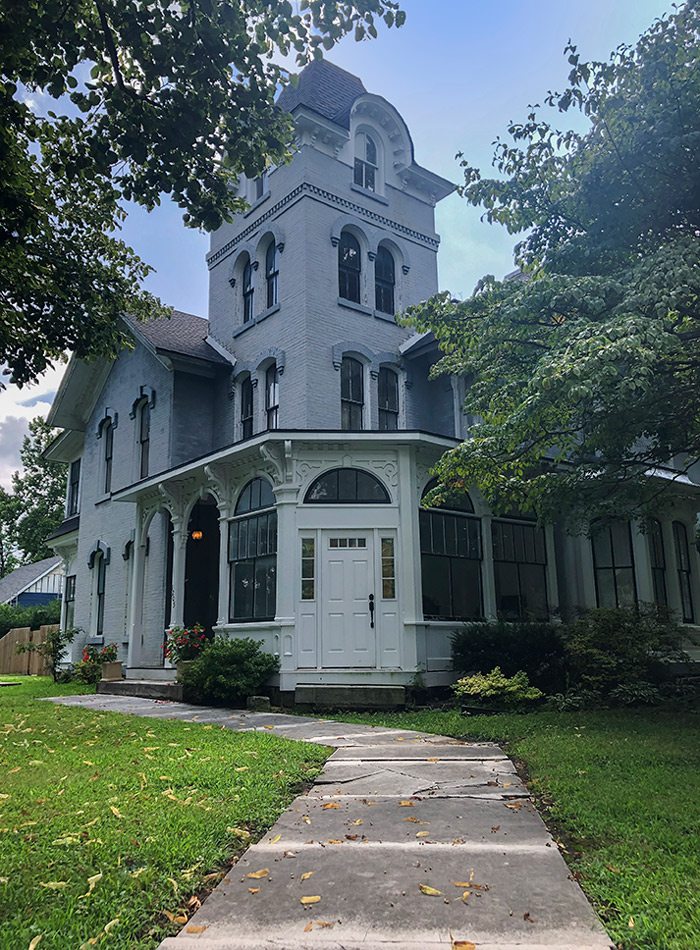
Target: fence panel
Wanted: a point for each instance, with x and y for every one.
(14, 663)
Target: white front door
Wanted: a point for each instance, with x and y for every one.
(348, 616)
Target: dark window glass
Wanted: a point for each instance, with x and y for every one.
(613, 563)
(271, 274)
(248, 292)
(384, 281)
(454, 501)
(272, 396)
(388, 389)
(349, 264)
(73, 488)
(144, 438)
(252, 554)
(351, 394)
(347, 486)
(246, 408)
(259, 186)
(108, 436)
(657, 555)
(680, 541)
(366, 163)
(100, 605)
(519, 565)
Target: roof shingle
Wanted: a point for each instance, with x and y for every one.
(181, 333)
(327, 89)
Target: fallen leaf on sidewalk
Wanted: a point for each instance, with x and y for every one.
(417, 820)
(463, 945)
(405, 803)
(196, 929)
(275, 839)
(257, 875)
(310, 900)
(327, 805)
(422, 834)
(516, 806)
(306, 875)
(433, 759)
(253, 890)
(429, 891)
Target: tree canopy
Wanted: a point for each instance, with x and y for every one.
(584, 366)
(145, 99)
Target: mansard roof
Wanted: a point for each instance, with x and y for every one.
(327, 89)
(181, 334)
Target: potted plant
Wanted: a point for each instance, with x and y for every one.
(495, 692)
(95, 660)
(183, 645)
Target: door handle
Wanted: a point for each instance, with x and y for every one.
(371, 611)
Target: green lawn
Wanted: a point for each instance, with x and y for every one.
(622, 790)
(110, 823)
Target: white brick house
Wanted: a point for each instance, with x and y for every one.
(261, 472)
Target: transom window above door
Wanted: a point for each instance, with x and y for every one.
(347, 486)
(347, 542)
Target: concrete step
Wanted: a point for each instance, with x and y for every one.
(350, 697)
(146, 689)
(150, 673)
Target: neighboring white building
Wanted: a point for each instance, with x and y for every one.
(261, 472)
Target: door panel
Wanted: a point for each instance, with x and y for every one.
(347, 580)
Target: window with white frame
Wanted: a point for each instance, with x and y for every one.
(349, 267)
(366, 162)
(69, 602)
(352, 394)
(73, 501)
(384, 280)
(252, 554)
(613, 563)
(272, 396)
(248, 290)
(246, 407)
(388, 393)
(107, 435)
(271, 274)
(144, 437)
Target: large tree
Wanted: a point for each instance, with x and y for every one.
(585, 366)
(138, 99)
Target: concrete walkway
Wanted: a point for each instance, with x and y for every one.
(405, 840)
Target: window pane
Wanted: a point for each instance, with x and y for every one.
(265, 587)
(605, 587)
(242, 590)
(370, 150)
(507, 590)
(233, 540)
(466, 588)
(533, 592)
(602, 549)
(626, 594)
(436, 587)
(347, 484)
(621, 544)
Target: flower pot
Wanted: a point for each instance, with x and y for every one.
(181, 666)
(112, 671)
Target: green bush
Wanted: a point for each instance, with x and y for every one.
(228, 671)
(32, 617)
(497, 690)
(535, 648)
(89, 668)
(52, 649)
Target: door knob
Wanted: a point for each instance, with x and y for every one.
(371, 611)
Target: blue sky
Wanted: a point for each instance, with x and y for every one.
(457, 71)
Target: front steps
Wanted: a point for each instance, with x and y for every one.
(151, 673)
(146, 683)
(350, 697)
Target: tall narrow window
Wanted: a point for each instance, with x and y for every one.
(108, 436)
(260, 183)
(69, 603)
(272, 396)
(308, 568)
(144, 438)
(366, 162)
(388, 569)
(657, 556)
(519, 565)
(246, 408)
(613, 562)
(100, 594)
(252, 554)
(388, 390)
(349, 264)
(73, 505)
(351, 394)
(271, 274)
(247, 292)
(384, 281)
(680, 541)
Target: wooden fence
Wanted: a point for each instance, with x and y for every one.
(32, 663)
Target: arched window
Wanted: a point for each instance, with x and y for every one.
(384, 280)
(680, 541)
(252, 554)
(271, 274)
(366, 162)
(246, 408)
(450, 544)
(352, 396)
(248, 291)
(107, 434)
(613, 563)
(388, 390)
(520, 568)
(144, 417)
(272, 396)
(347, 486)
(657, 556)
(349, 264)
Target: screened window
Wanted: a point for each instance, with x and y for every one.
(519, 564)
(108, 437)
(347, 486)
(384, 281)
(252, 554)
(73, 489)
(248, 291)
(349, 264)
(246, 408)
(144, 438)
(680, 541)
(388, 390)
(271, 274)
(450, 544)
(613, 562)
(101, 564)
(351, 393)
(272, 396)
(366, 162)
(657, 556)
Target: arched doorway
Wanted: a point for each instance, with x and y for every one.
(202, 565)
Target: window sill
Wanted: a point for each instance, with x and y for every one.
(256, 204)
(389, 317)
(351, 305)
(369, 194)
(257, 319)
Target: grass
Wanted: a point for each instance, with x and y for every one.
(621, 788)
(110, 823)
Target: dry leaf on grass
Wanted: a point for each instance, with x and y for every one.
(178, 918)
(53, 885)
(92, 881)
(35, 941)
(429, 891)
(115, 811)
(310, 900)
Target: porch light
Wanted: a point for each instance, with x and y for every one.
(197, 534)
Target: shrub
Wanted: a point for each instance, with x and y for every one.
(89, 668)
(535, 648)
(33, 617)
(609, 651)
(185, 643)
(228, 671)
(495, 689)
(52, 649)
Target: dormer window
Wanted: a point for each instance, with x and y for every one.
(366, 162)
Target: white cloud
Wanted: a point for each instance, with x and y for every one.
(17, 407)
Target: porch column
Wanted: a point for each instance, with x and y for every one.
(223, 612)
(136, 602)
(288, 559)
(413, 645)
(177, 612)
(488, 574)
